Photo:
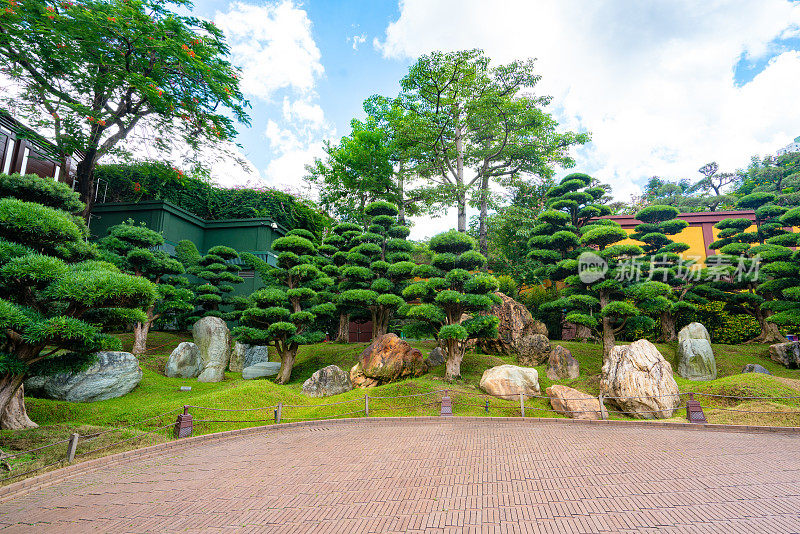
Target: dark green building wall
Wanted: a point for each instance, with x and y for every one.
(175, 224)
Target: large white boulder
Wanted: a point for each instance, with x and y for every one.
(184, 361)
(694, 331)
(212, 337)
(638, 380)
(330, 380)
(696, 360)
(508, 381)
(114, 374)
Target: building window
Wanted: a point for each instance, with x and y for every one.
(9, 153)
(24, 166)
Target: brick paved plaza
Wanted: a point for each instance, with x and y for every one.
(456, 475)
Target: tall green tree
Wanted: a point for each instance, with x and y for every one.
(287, 314)
(133, 249)
(740, 273)
(217, 273)
(481, 125)
(786, 303)
(554, 244)
(374, 163)
(451, 294)
(335, 248)
(92, 71)
(600, 302)
(666, 292)
(55, 296)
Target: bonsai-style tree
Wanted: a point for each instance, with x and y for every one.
(595, 299)
(54, 296)
(665, 292)
(132, 248)
(380, 267)
(740, 274)
(335, 249)
(450, 292)
(555, 237)
(786, 305)
(287, 315)
(92, 72)
(218, 274)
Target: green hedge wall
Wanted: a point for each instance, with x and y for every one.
(150, 180)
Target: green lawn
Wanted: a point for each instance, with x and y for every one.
(157, 394)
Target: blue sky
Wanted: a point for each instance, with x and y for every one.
(663, 86)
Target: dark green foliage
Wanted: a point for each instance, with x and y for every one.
(378, 269)
(133, 249)
(750, 272)
(217, 273)
(292, 310)
(55, 298)
(159, 181)
(448, 295)
(666, 287)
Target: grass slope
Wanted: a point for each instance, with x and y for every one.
(157, 395)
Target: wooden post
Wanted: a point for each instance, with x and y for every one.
(278, 413)
(72, 447)
(522, 403)
(366, 405)
(603, 412)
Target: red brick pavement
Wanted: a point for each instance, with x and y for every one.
(451, 475)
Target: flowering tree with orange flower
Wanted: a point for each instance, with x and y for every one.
(92, 72)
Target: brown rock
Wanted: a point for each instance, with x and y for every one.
(516, 322)
(533, 349)
(388, 358)
(640, 381)
(574, 403)
(562, 364)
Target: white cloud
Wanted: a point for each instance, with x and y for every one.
(357, 40)
(280, 60)
(273, 45)
(653, 81)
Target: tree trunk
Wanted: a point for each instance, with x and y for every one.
(455, 353)
(15, 416)
(344, 328)
(462, 212)
(608, 337)
(84, 175)
(769, 330)
(401, 197)
(668, 330)
(380, 323)
(12, 404)
(483, 231)
(287, 362)
(140, 331)
(583, 333)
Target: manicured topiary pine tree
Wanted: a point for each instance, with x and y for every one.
(391, 268)
(741, 273)
(55, 296)
(450, 293)
(555, 236)
(600, 302)
(664, 290)
(219, 274)
(786, 304)
(335, 247)
(132, 248)
(287, 315)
